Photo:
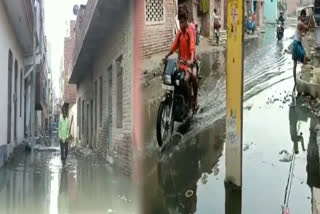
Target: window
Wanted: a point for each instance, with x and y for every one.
(101, 100)
(154, 11)
(79, 116)
(119, 93)
(21, 86)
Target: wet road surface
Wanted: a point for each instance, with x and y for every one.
(269, 128)
(38, 183)
(195, 160)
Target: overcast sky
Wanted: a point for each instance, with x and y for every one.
(57, 12)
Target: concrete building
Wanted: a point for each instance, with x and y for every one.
(271, 12)
(293, 5)
(70, 90)
(256, 6)
(103, 70)
(18, 18)
(202, 13)
(161, 21)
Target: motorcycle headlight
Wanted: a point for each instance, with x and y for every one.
(167, 79)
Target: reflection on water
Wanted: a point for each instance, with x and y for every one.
(233, 200)
(180, 170)
(43, 185)
(297, 115)
(300, 114)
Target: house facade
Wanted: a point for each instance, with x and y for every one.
(18, 18)
(103, 71)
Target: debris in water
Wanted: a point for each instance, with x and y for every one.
(286, 211)
(204, 178)
(285, 156)
(110, 160)
(124, 199)
(189, 193)
(110, 211)
(249, 107)
(246, 147)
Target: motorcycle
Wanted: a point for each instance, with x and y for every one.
(280, 31)
(174, 106)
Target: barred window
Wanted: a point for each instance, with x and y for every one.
(154, 11)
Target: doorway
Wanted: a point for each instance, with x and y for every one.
(15, 99)
(91, 126)
(10, 62)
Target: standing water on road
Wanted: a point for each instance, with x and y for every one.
(38, 183)
(188, 177)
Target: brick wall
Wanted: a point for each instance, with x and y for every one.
(116, 44)
(158, 38)
(70, 90)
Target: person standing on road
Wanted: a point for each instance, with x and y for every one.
(64, 134)
(216, 20)
(298, 52)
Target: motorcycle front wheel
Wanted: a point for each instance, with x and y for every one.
(164, 124)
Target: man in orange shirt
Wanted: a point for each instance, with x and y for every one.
(185, 42)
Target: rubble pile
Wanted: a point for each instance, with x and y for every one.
(285, 98)
(312, 104)
(83, 151)
(43, 138)
(285, 156)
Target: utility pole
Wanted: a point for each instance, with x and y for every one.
(235, 35)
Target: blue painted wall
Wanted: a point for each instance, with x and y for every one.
(270, 11)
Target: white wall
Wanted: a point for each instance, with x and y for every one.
(8, 41)
(73, 112)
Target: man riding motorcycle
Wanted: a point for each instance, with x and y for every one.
(281, 19)
(185, 42)
(280, 28)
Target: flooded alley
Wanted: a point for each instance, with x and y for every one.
(92, 124)
(37, 182)
(188, 177)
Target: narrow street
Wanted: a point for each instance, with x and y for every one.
(195, 161)
(268, 130)
(38, 183)
(273, 125)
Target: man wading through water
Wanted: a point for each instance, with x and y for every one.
(185, 42)
(298, 52)
(64, 134)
